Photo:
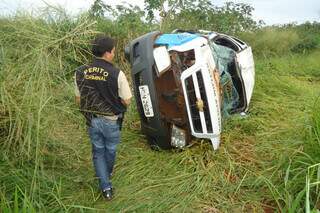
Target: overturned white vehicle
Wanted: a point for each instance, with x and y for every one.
(185, 81)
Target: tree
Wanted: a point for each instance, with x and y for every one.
(164, 7)
(98, 9)
(201, 14)
(168, 9)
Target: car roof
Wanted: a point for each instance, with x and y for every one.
(175, 39)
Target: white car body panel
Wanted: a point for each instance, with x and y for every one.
(205, 64)
(246, 67)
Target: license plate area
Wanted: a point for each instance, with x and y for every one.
(146, 100)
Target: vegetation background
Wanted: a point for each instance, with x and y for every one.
(267, 161)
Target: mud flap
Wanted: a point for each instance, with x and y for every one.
(215, 142)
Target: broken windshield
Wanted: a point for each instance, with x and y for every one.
(224, 58)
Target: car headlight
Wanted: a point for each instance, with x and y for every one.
(178, 137)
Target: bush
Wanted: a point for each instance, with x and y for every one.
(305, 45)
(271, 41)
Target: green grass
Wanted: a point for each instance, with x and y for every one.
(280, 41)
(45, 163)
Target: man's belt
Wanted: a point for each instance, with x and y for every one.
(108, 117)
(119, 118)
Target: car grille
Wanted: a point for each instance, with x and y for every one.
(192, 99)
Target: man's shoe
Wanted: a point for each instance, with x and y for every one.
(107, 193)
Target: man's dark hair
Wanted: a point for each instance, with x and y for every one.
(102, 44)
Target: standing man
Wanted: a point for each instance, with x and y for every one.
(103, 92)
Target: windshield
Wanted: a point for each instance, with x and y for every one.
(224, 58)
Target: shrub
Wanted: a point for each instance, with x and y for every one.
(271, 41)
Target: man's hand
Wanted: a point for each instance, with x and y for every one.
(126, 102)
(77, 99)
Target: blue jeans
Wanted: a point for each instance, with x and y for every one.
(105, 136)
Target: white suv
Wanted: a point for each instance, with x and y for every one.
(185, 81)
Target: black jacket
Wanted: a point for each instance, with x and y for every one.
(98, 86)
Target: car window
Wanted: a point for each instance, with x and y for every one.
(238, 40)
(224, 41)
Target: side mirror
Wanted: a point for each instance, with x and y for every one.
(162, 59)
(127, 52)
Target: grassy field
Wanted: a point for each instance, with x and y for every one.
(45, 165)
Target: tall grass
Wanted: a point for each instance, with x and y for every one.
(272, 41)
(280, 41)
(312, 188)
(300, 186)
(290, 81)
(313, 174)
(37, 55)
